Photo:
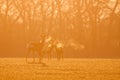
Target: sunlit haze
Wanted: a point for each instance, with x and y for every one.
(85, 28)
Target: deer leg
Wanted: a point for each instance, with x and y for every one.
(48, 55)
(59, 56)
(27, 54)
(40, 57)
(33, 56)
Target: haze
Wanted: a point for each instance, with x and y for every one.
(87, 28)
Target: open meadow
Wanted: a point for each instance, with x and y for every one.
(67, 69)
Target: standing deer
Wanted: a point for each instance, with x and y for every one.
(53, 46)
(36, 48)
(49, 48)
(59, 50)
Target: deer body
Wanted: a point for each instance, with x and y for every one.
(35, 48)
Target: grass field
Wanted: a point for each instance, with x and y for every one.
(67, 69)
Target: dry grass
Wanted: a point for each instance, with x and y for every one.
(67, 69)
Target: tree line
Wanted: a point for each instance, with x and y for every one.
(94, 24)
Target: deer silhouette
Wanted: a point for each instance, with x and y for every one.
(59, 50)
(36, 47)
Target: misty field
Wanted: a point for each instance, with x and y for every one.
(67, 69)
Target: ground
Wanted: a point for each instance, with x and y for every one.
(67, 69)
